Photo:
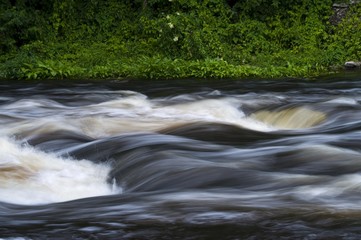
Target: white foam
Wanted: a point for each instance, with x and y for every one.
(343, 101)
(209, 109)
(224, 110)
(140, 111)
(131, 106)
(134, 113)
(29, 176)
(340, 185)
(15, 238)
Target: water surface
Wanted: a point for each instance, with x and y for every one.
(185, 159)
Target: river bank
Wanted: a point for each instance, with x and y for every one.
(176, 39)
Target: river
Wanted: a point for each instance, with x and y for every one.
(182, 159)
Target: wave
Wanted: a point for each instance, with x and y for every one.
(268, 164)
(291, 118)
(29, 176)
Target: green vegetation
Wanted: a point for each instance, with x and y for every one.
(173, 38)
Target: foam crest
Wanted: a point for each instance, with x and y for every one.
(135, 113)
(342, 101)
(209, 109)
(130, 106)
(224, 110)
(333, 193)
(28, 176)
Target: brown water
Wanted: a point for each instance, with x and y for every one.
(183, 159)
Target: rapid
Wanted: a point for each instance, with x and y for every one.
(181, 159)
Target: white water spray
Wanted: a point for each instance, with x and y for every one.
(28, 176)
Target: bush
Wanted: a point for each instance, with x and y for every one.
(173, 39)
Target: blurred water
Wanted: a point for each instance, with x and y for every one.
(190, 159)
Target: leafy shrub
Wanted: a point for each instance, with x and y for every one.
(50, 69)
(348, 34)
(173, 39)
(18, 27)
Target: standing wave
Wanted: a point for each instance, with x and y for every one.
(29, 176)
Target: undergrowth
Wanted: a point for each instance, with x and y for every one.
(173, 39)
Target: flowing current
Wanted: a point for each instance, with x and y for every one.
(183, 159)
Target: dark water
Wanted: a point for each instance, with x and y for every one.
(181, 159)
